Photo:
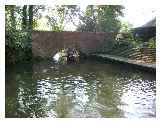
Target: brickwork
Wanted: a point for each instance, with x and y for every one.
(45, 43)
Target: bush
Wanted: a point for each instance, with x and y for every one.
(18, 45)
(152, 42)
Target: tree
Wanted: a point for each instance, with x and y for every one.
(30, 17)
(10, 13)
(125, 27)
(88, 20)
(101, 18)
(24, 17)
(20, 21)
(108, 18)
(13, 23)
(59, 16)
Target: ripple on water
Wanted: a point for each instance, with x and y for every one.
(86, 90)
(138, 99)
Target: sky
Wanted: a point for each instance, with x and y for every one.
(138, 15)
(134, 14)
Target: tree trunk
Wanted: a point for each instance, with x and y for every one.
(24, 19)
(30, 17)
(13, 18)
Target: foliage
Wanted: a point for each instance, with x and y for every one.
(21, 20)
(152, 42)
(108, 18)
(18, 46)
(88, 20)
(127, 34)
(125, 27)
(124, 40)
(60, 15)
(18, 33)
(101, 18)
(113, 45)
(87, 26)
(18, 39)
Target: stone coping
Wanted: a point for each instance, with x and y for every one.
(126, 60)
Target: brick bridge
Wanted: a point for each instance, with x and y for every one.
(45, 43)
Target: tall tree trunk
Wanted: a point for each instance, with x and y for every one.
(24, 19)
(98, 20)
(13, 18)
(94, 18)
(30, 17)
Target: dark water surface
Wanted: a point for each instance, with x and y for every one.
(89, 89)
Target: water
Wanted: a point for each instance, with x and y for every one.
(89, 89)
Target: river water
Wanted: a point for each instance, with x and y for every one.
(90, 89)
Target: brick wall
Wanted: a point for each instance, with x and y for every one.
(45, 43)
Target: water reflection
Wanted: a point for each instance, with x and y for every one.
(89, 89)
(139, 99)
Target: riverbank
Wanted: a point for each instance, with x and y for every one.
(151, 66)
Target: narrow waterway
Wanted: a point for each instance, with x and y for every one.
(88, 89)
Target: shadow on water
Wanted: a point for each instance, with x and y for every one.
(87, 89)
